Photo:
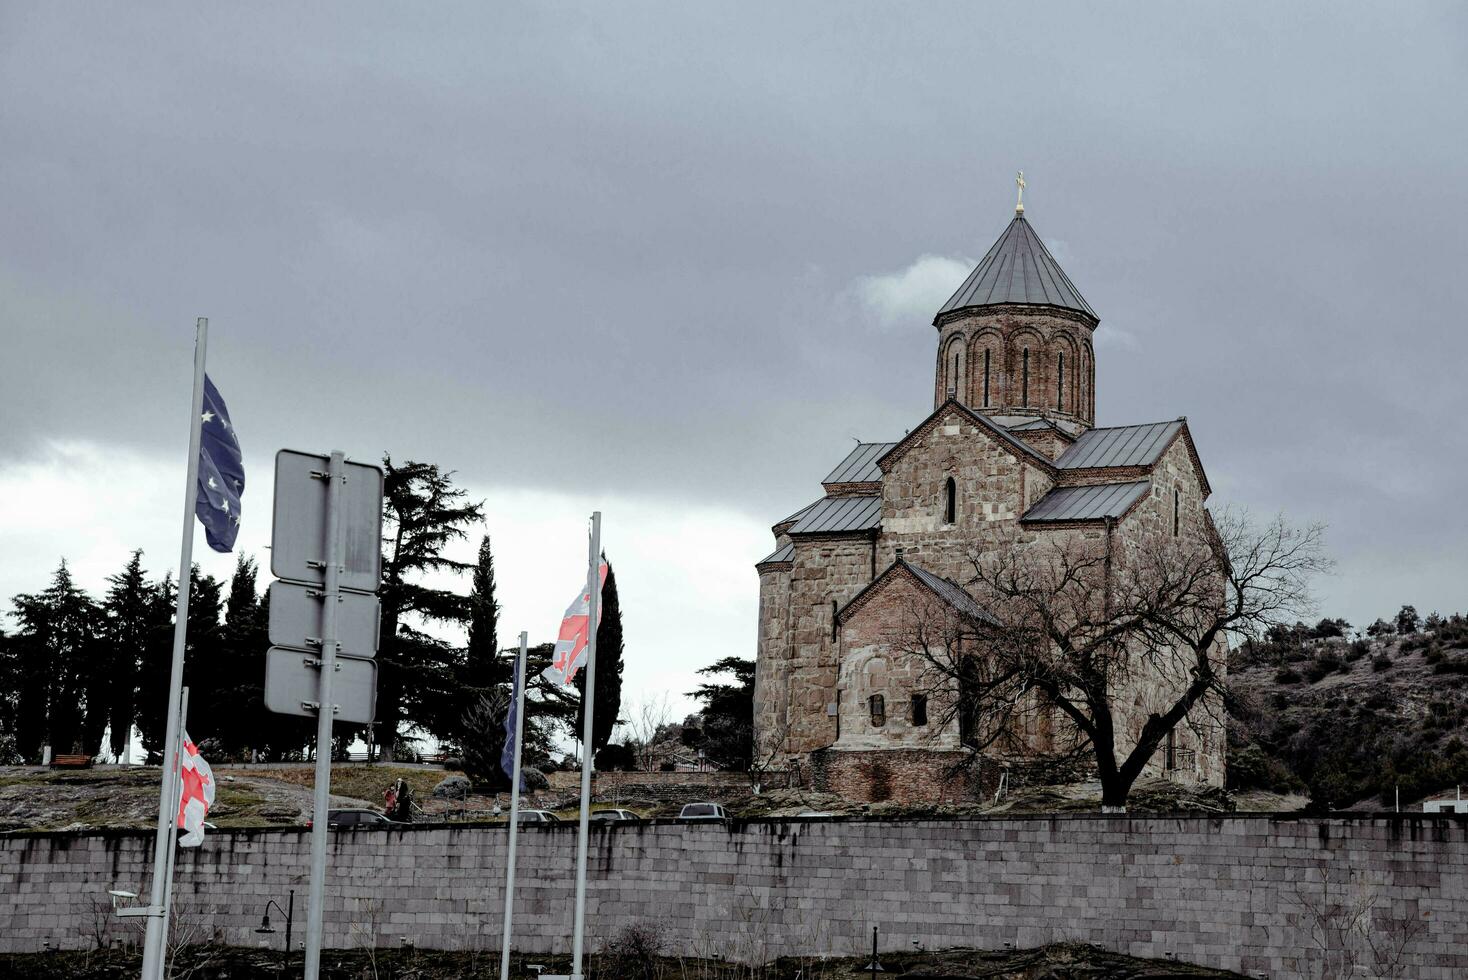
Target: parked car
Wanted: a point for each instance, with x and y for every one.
(615, 815)
(703, 811)
(538, 816)
(354, 820)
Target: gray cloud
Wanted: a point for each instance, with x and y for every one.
(471, 233)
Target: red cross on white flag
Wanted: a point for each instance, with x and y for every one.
(570, 653)
(197, 781)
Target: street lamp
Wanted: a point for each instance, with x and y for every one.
(289, 913)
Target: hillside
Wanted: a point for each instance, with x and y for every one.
(1353, 720)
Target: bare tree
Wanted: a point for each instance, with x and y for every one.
(642, 725)
(1089, 628)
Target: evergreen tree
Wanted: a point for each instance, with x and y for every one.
(59, 650)
(241, 674)
(130, 611)
(9, 694)
(728, 714)
(206, 669)
(608, 668)
(153, 672)
(483, 667)
(423, 512)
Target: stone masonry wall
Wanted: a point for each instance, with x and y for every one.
(1228, 891)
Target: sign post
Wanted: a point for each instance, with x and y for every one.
(326, 547)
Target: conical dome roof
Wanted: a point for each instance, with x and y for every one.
(1018, 269)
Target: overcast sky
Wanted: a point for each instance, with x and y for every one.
(667, 260)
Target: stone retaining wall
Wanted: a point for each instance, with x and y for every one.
(1238, 892)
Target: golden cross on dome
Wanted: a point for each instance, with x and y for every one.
(1019, 204)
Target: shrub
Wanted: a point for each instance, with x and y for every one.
(1433, 655)
(1287, 675)
(1450, 665)
(1381, 662)
(634, 953)
(1324, 665)
(616, 758)
(1357, 650)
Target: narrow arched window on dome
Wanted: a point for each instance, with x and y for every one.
(986, 377)
(1024, 395)
(1060, 382)
(950, 502)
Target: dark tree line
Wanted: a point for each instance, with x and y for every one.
(76, 668)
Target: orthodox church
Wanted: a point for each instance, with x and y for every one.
(1011, 445)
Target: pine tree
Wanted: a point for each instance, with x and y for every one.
(9, 694)
(423, 512)
(59, 654)
(608, 668)
(241, 674)
(130, 616)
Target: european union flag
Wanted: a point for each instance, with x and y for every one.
(221, 473)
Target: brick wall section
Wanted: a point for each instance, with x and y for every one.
(1226, 891)
(1006, 332)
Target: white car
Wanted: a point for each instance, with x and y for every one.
(703, 811)
(538, 816)
(612, 816)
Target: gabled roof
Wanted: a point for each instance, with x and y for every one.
(1126, 445)
(945, 589)
(1018, 269)
(1093, 503)
(834, 515)
(860, 465)
(1013, 443)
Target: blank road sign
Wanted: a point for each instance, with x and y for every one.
(296, 612)
(298, 531)
(291, 685)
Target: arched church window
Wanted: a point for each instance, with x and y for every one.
(986, 377)
(1060, 382)
(878, 707)
(1176, 502)
(950, 501)
(1024, 396)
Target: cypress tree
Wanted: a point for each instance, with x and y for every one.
(129, 611)
(483, 667)
(153, 672)
(206, 670)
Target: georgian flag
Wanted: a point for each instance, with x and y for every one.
(197, 781)
(221, 472)
(570, 653)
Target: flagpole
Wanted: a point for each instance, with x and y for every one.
(152, 951)
(588, 701)
(178, 750)
(519, 709)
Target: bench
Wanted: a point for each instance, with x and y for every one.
(71, 762)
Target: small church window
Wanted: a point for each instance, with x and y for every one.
(1024, 398)
(1176, 502)
(878, 707)
(1060, 382)
(919, 710)
(950, 502)
(986, 377)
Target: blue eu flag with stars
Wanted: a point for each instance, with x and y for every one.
(221, 473)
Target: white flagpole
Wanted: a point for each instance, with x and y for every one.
(519, 704)
(183, 723)
(153, 939)
(588, 701)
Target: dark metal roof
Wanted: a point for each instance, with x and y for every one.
(832, 515)
(1014, 440)
(1087, 503)
(1127, 445)
(950, 592)
(783, 554)
(1030, 425)
(1018, 269)
(860, 465)
(797, 515)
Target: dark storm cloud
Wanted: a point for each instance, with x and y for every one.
(471, 234)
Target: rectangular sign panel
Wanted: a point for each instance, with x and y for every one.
(291, 685)
(296, 613)
(298, 530)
